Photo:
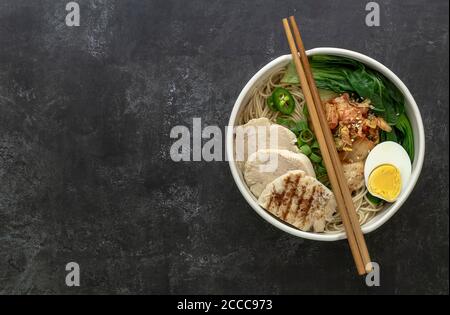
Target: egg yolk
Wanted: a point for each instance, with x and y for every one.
(385, 182)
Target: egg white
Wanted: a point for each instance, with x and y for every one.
(388, 152)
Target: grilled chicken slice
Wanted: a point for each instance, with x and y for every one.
(263, 166)
(258, 134)
(299, 200)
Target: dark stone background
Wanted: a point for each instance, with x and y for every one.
(85, 170)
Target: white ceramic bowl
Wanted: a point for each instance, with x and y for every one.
(411, 110)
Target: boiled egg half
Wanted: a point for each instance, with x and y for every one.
(387, 170)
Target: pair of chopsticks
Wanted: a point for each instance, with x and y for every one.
(330, 156)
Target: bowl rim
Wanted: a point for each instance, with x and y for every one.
(419, 150)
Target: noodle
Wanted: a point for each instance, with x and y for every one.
(257, 108)
(364, 208)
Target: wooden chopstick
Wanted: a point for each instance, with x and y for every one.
(333, 152)
(324, 150)
(327, 156)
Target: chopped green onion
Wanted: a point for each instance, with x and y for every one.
(305, 149)
(316, 151)
(305, 111)
(315, 158)
(306, 135)
(315, 145)
(287, 122)
(323, 179)
(320, 170)
(302, 125)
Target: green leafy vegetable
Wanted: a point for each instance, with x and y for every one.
(340, 75)
(389, 136)
(406, 139)
(290, 76)
(326, 95)
(373, 200)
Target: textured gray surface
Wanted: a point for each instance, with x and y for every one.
(85, 171)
